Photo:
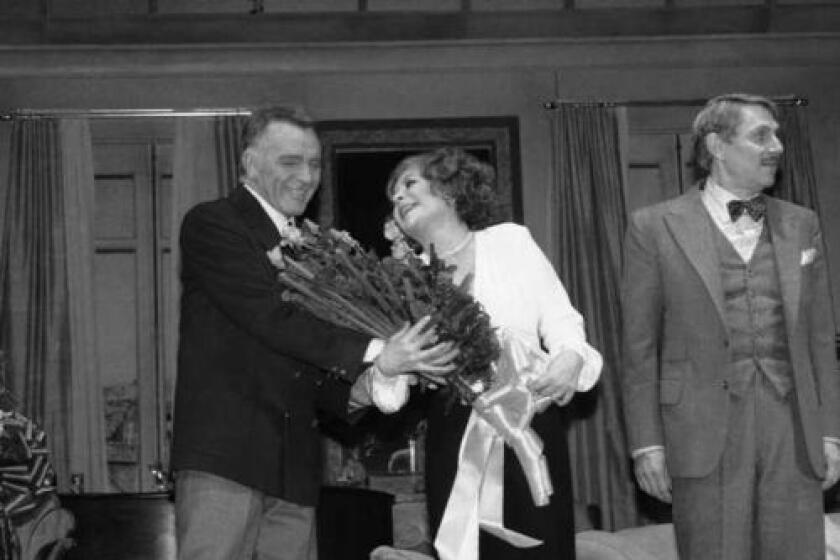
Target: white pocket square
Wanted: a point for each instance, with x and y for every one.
(808, 256)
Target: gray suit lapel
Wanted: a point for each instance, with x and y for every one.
(691, 225)
(786, 246)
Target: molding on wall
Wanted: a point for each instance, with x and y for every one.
(776, 50)
(115, 28)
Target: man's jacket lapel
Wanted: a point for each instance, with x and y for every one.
(787, 246)
(255, 217)
(689, 223)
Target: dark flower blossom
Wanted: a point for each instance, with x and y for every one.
(328, 273)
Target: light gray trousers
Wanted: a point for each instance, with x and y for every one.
(763, 501)
(218, 519)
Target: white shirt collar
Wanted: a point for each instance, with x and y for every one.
(742, 234)
(277, 218)
(716, 198)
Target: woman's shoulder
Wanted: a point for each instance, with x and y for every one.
(507, 240)
(506, 230)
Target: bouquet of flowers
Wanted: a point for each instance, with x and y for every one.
(328, 273)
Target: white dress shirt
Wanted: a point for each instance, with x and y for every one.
(742, 233)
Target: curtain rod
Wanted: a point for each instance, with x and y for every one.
(118, 113)
(556, 103)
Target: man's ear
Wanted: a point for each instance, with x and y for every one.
(714, 144)
(247, 161)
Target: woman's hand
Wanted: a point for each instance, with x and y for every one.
(413, 350)
(560, 379)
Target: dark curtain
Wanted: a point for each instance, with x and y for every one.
(589, 197)
(34, 303)
(46, 304)
(33, 307)
(797, 182)
(228, 148)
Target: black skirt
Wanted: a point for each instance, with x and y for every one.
(553, 523)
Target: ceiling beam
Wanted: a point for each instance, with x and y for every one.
(379, 27)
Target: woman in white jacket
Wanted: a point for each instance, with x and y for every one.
(446, 198)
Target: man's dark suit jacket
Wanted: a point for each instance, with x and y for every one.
(253, 370)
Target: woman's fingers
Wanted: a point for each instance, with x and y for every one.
(549, 387)
(564, 398)
(437, 359)
(412, 349)
(419, 328)
(560, 378)
(433, 380)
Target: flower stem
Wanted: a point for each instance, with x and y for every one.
(344, 307)
(300, 269)
(366, 286)
(398, 301)
(379, 323)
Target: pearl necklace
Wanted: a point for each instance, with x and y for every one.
(457, 248)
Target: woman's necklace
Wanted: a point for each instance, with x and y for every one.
(457, 248)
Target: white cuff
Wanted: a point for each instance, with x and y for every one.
(374, 348)
(389, 394)
(636, 453)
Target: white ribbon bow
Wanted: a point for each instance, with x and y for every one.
(500, 416)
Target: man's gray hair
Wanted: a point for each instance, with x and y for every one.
(722, 115)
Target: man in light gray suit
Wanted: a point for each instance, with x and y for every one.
(730, 379)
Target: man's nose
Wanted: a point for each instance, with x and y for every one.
(307, 173)
(776, 145)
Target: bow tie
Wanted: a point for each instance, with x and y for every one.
(755, 207)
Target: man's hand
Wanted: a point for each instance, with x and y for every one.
(413, 349)
(652, 474)
(832, 463)
(560, 379)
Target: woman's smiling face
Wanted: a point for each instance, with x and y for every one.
(417, 206)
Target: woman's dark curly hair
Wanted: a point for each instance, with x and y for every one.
(463, 179)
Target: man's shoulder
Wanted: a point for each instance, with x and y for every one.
(224, 206)
(792, 209)
(207, 206)
(675, 204)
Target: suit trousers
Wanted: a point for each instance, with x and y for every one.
(217, 518)
(762, 501)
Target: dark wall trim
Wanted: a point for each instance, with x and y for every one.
(378, 27)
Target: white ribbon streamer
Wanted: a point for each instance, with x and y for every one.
(500, 416)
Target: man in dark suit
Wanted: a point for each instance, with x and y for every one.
(730, 379)
(254, 370)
